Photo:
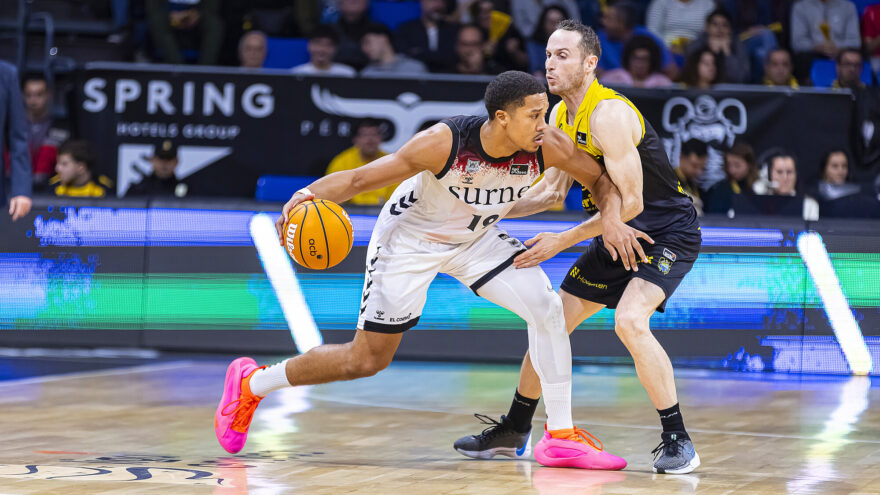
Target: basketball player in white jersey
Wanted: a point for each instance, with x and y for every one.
(458, 177)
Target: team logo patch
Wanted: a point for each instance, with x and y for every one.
(472, 167)
(582, 138)
(519, 169)
(669, 254)
(663, 265)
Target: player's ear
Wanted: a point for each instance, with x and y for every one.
(502, 117)
(590, 62)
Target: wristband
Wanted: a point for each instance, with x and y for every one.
(305, 191)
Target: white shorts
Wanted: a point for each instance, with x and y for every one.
(401, 266)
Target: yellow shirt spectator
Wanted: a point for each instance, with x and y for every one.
(87, 190)
(367, 138)
(76, 160)
(350, 159)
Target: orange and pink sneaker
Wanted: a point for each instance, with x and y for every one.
(574, 447)
(237, 406)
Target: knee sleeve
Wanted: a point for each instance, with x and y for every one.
(529, 293)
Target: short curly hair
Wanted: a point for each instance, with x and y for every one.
(509, 89)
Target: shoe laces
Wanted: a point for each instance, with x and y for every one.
(243, 412)
(494, 427)
(668, 446)
(583, 436)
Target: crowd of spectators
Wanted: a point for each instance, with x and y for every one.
(744, 36)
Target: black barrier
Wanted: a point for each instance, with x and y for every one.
(234, 126)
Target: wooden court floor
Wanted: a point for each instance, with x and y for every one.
(149, 430)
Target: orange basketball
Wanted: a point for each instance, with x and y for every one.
(318, 234)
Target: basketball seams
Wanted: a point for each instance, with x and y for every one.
(347, 235)
(305, 227)
(299, 231)
(326, 241)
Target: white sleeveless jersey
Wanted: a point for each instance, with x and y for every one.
(472, 192)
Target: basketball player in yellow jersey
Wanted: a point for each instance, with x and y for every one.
(608, 127)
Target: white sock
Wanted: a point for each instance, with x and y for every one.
(557, 404)
(269, 379)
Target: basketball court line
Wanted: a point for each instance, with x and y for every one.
(129, 370)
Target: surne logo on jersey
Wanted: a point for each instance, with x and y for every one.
(519, 169)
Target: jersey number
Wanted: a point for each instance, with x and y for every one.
(486, 222)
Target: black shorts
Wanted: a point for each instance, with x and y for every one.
(597, 278)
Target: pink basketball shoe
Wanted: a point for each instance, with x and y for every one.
(237, 406)
(575, 448)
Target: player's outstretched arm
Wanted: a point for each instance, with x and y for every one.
(549, 191)
(560, 152)
(427, 150)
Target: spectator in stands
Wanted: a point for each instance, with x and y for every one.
(677, 22)
(351, 26)
(820, 29)
(641, 65)
(871, 34)
(252, 50)
(719, 39)
(43, 135)
(619, 26)
(834, 173)
(367, 139)
(536, 46)
(782, 171)
(528, 15)
(430, 39)
(752, 16)
(469, 49)
(701, 70)
(740, 171)
(376, 43)
(504, 44)
(76, 163)
(186, 30)
(692, 161)
(162, 181)
(14, 134)
(778, 70)
(322, 48)
(849, 69)
(755, 23)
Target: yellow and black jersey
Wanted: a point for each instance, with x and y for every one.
(88, 190)
(666, 206)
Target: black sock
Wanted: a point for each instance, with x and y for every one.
(522, 410)
(671, 420)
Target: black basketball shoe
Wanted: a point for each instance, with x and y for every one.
(498, 439)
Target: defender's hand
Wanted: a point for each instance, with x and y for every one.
(295, 200)
(543, 247)
(623, 240)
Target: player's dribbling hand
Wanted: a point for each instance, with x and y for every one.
(542, 247)
(295, 200)
(622, 240)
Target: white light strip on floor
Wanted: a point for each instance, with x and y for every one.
(849, 336)
(279, 269)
